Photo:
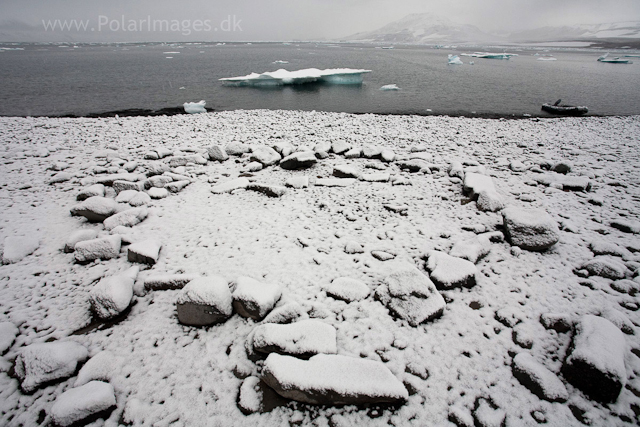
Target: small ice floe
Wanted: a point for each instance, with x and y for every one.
(170, 53)
(280, 62)
(471, 62)
(547, 58)
(195, 107)
(169, 57)
(390, 87)
(310, 75)
(455, 60)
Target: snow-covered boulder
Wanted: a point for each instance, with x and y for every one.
(410, 295)
(112, 295)
(472, 249)
(352, 247)
(41, 363)
(237, 149)
(265, 155)
(79, 236)
(103, 248)
(145, 252)
(626, 226)
(605, 266)
(95, 190)
(297, 182)
(100, 367)
(538, 379)
(16, 248)
(531, 229)
(79, 403)
(8, 334)
(334, 182)
(255, 299)
(127, 218)
(449, 272)
(60, 177)
(204, 301)
(217, 153)
(157, 193)
(347, 289)
(229, 186)
(340, 146)
(286, 313)
(346, 171)
(302, 339)
(299, 160)
(95, 209)
(120, 185)
(595, 363)
(177, 186)
(333, 380)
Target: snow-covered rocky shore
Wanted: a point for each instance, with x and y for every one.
(379, 270)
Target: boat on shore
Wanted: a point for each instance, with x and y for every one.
(564, 110)
(615, 60)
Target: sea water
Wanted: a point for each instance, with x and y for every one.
(89, 79)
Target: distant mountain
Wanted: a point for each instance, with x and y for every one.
(616, 30)
(425, 28)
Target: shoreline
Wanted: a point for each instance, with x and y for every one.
(177, 111)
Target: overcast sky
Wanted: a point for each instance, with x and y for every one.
(297, 19)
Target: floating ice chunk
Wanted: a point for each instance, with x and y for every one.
(280, 62)
(195, 107)
(455, 60)
(390, 87)
(310, 75)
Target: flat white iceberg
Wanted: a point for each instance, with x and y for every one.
(455, 60)
(390, 87)
(195, 107)
(310, 75)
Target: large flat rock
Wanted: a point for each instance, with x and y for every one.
(82, 402)
(333, 380)
(303, 339)
(531, 229)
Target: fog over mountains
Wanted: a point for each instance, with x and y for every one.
(425, 28)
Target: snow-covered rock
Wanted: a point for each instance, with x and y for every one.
(139, 199)
(352, 247)
(297, 182)
(204, 301)
(299, 160)
(8, 334)
(481, 188)
(16, 248)
(333, 380)
(112, 295)
(255, 299)
(157, 193)
(229, 186)
(626, 226)
(41, 363)
(531, 229)
(120, 186)
(486, 414)
(103, 248)
(95, 209)
(335, 182)
(78, 403)
(449, 272)
(595, 363)
(286, 313)
(127, 218)
(410, 295)
(95, 190)
(217, 153)
(340, 146)
(346, 171)
(250, 396)
(79, 236)
(177, 186)
(347, 289)
(538, 379)
(145, 252)
(605, 266)
(303, 339)
(100, 367)
(60, 177)
(472, 249)
(265, 155)
(237, 149)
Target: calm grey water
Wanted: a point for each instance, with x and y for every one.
(52, 80)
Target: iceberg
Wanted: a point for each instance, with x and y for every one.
(310, 75)
(195, 107)
(616, 60)
(488, 55)
(455, 60)
(390, 87)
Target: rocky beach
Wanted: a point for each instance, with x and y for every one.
(289, 268)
